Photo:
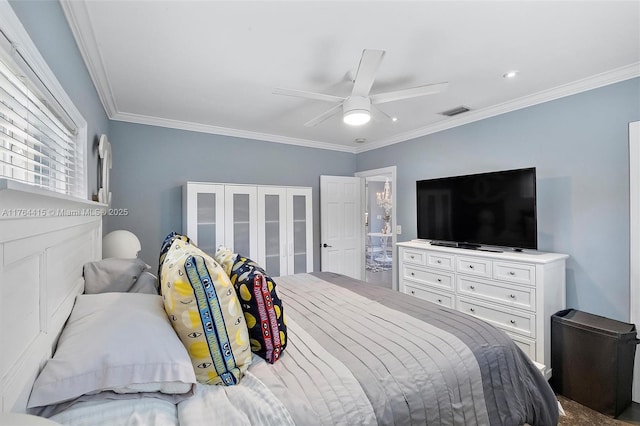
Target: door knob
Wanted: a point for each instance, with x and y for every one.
(325, 245)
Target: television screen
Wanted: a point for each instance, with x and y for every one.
(497, 209)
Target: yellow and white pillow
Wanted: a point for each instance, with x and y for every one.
(204, 310)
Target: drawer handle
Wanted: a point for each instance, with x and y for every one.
(512, 321)
(413, 292)
(472, 287)
(439, 280)
(512, 273)
(412, 257)
(513, 296)
(470, 266)
(439, 300)
(472, 310)
(413, 275)
(438, 261)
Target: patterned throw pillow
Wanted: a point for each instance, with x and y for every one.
(261, 305)
(166, 245)
(205, 312)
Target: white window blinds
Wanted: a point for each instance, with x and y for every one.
(38, 141)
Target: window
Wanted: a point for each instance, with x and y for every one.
(42, 135)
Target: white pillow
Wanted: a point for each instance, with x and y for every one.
(121, 342)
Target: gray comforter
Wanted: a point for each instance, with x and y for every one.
(360, 354)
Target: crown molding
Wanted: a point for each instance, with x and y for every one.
(579, 86)
(599, 80)
(225, 131)
(80, 24)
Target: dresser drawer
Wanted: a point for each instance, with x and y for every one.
(429, 277)
(440, 261)
(431, 296)
(504, 318)
(415, 257)
(528, 346)
(504, 294)
(474, 266)
(520, 273)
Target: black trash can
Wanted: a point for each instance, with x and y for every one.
(592, 360)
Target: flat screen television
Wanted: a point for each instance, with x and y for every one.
(485, 209)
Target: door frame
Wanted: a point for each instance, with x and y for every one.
(391, 172)
(634, 249)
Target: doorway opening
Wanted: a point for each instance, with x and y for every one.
(379, 225)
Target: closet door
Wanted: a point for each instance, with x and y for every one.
(241, 218)
(272, 230)
(299, 231)
(203, 215)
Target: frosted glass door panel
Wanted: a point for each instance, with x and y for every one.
(272, 230)
(241, 219)
(241, 224)
(206, 220)
(272, 234)
(203, 215)
(299, 234)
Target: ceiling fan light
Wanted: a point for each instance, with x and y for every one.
(356, 110)
(356, 117)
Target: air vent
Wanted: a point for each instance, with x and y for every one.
(455, 111)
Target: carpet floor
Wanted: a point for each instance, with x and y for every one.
(579, 415)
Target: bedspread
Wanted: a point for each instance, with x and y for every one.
(417, 362)
(363, 355)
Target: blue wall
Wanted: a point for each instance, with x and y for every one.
(579, 145)
(47, 26)
(152, 163)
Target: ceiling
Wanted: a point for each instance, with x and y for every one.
(212, 66)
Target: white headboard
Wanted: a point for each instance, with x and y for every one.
(45, 239)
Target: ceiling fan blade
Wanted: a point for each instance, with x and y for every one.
(308, 95)
(367, 70)
(414, 92)
(319, 119)
(379, 114)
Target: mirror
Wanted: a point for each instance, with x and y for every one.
(104, 154)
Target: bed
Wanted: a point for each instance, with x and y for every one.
(355, 354)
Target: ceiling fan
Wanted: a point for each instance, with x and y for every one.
(356, 107)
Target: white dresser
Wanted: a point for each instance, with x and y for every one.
(517, 292)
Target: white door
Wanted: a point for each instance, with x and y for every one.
(241, 219)
(634, 201)
(272, 232)
(340, 228)
(203, 217)
(299, 231)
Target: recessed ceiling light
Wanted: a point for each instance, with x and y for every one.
(360, 140)
(510, 74)
(394, 119)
